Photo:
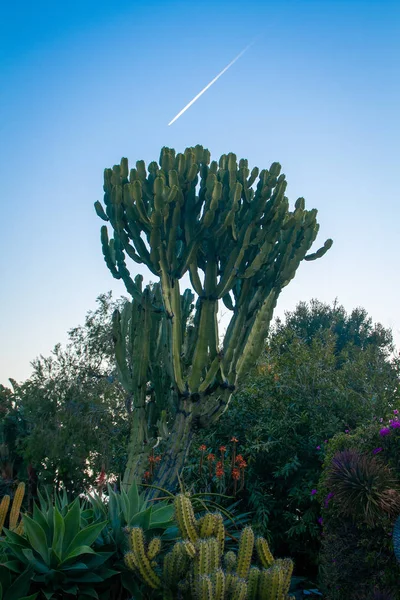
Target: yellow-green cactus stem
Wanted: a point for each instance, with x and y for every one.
(252, 583)
(239, 589)
(264, 553)
(16, 505)
(286, 566)
(206, 528)
(146, 571)
(154, 548)
(219, 531)
(218, 579)
(189, 548)
(5, 503)
(202, 565)
(204, 588)
(246, 546)
(185, 518)
(230, 561)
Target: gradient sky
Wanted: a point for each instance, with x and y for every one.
(84, 83)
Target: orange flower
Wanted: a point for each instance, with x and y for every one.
(222, 449)
(203, 448)
(152, 459)
(234, 440)
(219, 471)
(235, 474)
(158, 459)
(211, 457)
(146, 475)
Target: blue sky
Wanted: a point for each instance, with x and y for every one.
(84, 83)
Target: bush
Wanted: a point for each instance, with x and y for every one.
(323, 371)
(360, 495)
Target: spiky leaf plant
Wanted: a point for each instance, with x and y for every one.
(363, 485)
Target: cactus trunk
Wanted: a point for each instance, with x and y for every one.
(138, 450)
(176, 449)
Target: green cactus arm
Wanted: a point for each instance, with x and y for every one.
(264, 553)
(185, 518)
(246, 546)
(136, 541)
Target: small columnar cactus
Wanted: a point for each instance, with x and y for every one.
(14, 525)
(198, 568)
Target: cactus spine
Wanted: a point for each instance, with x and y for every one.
(193, 570)
(230, 229)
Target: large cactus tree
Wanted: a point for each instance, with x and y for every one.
(230, 229)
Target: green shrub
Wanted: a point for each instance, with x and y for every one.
(359, 491)
(324, 371)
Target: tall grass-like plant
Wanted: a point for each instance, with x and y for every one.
(364, 485)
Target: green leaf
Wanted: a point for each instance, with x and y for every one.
(96, 560)
(12, 565)
(16, 539)
(77, 552)
(72, 524)
(86, 578)
(40, 518)
(87, 536)
(142, 519)
(125, 506)
(31, 597)
(58, 536)
(37, 537)
(36, 564)
(134, 500)
(90, 593)
(80, 566)
(20, 587)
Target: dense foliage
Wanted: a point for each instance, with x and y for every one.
(360, 494)
(68, 421)
(323, 371)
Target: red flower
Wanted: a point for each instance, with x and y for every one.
(211, 457)
(203, 448)
(234, 440)
(146, 475)
(158, 459)
(152, 459)
(222, 449)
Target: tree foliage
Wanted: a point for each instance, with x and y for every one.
(68, 420)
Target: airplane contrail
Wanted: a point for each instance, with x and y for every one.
(211, 83)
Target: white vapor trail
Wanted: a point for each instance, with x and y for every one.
(210, 84)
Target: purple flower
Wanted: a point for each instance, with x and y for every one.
(325, 441)
(381, 420)
(395, 412)
(329, 497)
(395, 425)
(320, 520)
(346, 431)
(313, 492)
(318, 447)
(384, 431)
(377, 450)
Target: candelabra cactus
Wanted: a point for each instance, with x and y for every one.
(232, 231)
(193, 568)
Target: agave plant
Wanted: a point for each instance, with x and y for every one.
(57, 545)
(122, 510)
(363, 485)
